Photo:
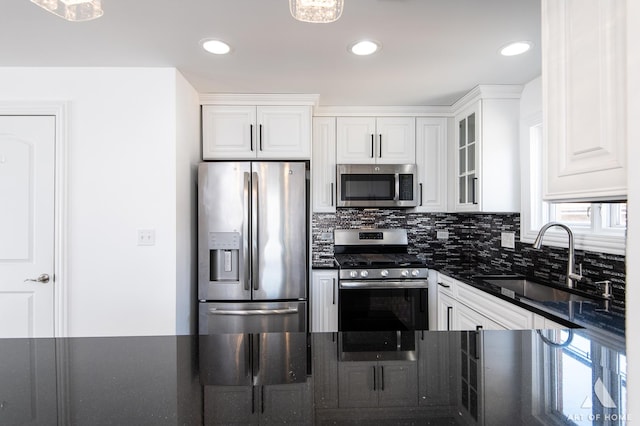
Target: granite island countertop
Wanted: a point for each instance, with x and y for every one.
(464, 377)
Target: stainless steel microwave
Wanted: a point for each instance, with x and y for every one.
(377, 185)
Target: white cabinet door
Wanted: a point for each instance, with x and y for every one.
(467, 150)
(284, 132)
(469, 319)
(323, 165)
(248, 132)
(396, 140)
(445, 309)
(358, 384)
(487, 156)
(370, 140)
(228, 132)
(324, 300)
(584, 99)
(398, 384)
(431, 160)
(356, 140)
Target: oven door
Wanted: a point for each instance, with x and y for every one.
(377, 306)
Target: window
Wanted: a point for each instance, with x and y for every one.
(597, 227)
(586, 382)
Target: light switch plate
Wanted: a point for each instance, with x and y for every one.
(146, 237)
(442, 235)
(508, 239)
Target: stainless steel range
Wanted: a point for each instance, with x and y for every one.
(381, 285)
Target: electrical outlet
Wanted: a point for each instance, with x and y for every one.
(508, 239)
(442, 235)
(146, 237)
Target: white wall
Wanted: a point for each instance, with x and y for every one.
(188, 155)
(121, 177)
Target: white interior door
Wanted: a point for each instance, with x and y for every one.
(27, 150)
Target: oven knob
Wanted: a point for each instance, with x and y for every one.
(415, 273)
(364, 274)
(404, 273)
(353, 274)
(384, 273)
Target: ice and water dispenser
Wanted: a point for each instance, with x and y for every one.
(224, 256)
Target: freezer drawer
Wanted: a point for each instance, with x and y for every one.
(252, 317)
(253, 359)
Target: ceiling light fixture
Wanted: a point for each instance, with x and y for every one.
(516, 48)
(364, 47)
(217, 47)
(316, 11)
(72, 10)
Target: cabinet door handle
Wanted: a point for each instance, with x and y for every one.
(372, 143)
(478, 330)
(334, 291)
(449, 310)
(374, 377)
(262, 399)
(261, 137)
(380, 145)
(444, 285)
(382, 378)
(251, 136)
(331, 194)
(420, 184)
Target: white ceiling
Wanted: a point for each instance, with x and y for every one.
(433, 51)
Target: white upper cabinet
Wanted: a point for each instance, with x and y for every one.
(247, 132)
(323, 165)
(486, 150)
(371, 140)
(431, 159)
(584, 99)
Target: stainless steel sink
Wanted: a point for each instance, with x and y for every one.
(511, 287)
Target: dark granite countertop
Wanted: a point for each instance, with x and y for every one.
(591, 315)
(463, 377)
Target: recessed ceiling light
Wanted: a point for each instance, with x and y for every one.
(217, 47)
(517, 48)
(364, 47)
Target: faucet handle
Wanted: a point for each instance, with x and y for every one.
(607, 289)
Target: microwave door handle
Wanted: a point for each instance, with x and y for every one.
(396, 197)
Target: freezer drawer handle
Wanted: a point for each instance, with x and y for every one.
(254, 311)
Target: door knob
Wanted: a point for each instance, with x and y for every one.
(44, 278)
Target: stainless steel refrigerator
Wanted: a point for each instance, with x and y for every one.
(253, 269)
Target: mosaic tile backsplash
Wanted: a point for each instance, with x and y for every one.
(473, 244)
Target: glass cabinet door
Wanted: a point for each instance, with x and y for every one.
(467, 174)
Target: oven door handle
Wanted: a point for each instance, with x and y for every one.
(391, 284)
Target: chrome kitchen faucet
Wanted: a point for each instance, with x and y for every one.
(572, 277)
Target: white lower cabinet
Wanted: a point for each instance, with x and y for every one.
(377, 384)
(264, 405)
(463, 307)
(324, 300)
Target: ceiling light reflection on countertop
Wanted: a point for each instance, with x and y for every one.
(516, 48)
(72, 10)
(217, 47)
(364, 47)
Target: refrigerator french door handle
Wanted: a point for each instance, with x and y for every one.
(249, 312)
(255, 230)
(247, 232)
(255, 356)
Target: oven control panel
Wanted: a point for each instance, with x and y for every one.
(377, 274)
